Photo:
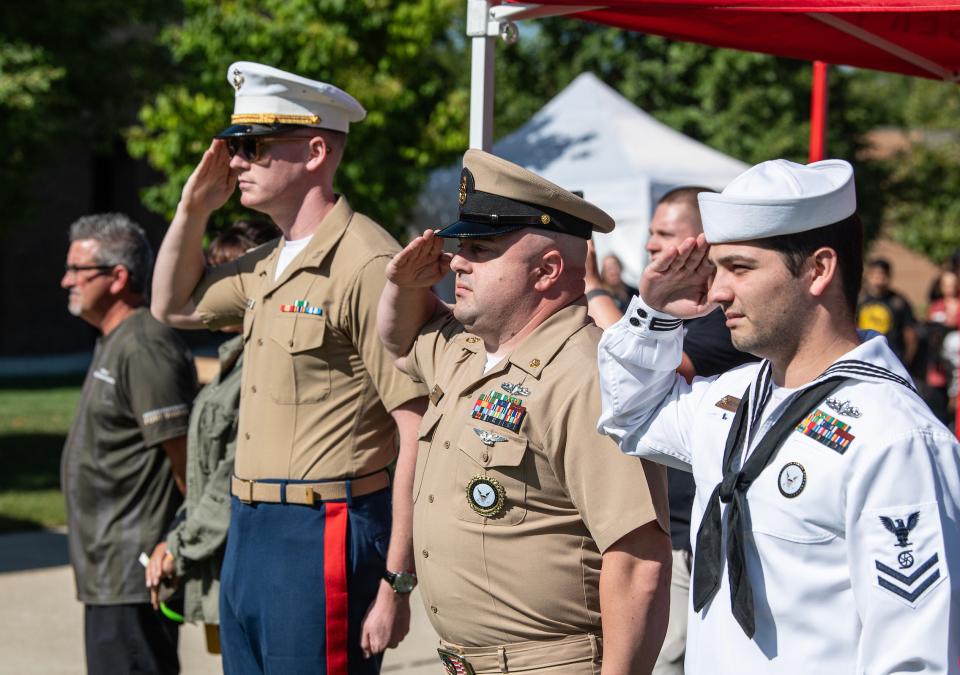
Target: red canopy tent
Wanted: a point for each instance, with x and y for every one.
(914, 37)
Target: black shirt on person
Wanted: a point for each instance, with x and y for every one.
(888, 314)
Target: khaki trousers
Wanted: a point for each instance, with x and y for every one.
(670, 661)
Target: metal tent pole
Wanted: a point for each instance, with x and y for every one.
(486, 20)
(818, 112)
(482, 63)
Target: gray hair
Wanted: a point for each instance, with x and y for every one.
(120, 242)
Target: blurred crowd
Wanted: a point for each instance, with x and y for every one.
(925, 338)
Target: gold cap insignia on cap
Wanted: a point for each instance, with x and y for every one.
(545, 219)
(462, 193)
(273, 118)
(238, 79)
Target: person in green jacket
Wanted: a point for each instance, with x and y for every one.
(192, 551)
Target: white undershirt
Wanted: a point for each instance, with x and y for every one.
(777, 396)
(291, 248)
(492, 360)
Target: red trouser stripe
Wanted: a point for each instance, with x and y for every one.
(335, 583)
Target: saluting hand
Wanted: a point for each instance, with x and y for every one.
(421, 264)
(212, 182)
(676, 281)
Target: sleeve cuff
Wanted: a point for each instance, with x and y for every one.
(173, 548)
(644, 321)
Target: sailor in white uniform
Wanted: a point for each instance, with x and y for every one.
(828, 495)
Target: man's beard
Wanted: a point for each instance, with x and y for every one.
(772, 339)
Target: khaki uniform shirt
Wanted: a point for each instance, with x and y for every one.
(317, 382)
(198, 537)
(533, 571)
(116, 478)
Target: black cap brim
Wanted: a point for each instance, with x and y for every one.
(465, 229)
(241, 130)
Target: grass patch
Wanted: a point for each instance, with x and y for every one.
(35, 416)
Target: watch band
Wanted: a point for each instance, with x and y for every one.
(598, 292)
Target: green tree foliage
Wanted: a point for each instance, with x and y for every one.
(923, 211)
(921, 179)
(70, 76)
(400, 59)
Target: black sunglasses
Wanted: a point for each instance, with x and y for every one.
(251, 147)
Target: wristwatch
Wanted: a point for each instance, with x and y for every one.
(401, 582)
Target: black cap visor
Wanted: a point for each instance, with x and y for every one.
(241, 130)
(466, 229)
(483, 214)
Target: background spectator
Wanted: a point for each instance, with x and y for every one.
(939, 390)
(125, 456)
(610, 276)
(240, 238)
(192, 551)
(884, 310)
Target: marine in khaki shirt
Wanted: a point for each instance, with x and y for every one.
(317, 383)
(314, 528)
(538, 548)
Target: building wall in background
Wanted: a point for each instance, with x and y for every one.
(33, 310)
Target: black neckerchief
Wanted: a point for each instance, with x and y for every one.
(708, 563)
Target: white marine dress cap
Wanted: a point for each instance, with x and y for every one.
(779, 197)
(267, 98)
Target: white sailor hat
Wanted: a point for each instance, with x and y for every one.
(269, 100)
(779, 197)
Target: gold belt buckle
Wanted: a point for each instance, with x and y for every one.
(454, 663)
(248, 499)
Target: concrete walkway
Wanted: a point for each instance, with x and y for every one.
(41, 623)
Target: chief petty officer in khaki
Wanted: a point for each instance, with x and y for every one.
(538, 548)
(315, 431)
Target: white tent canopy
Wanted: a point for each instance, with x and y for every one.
(590, 138)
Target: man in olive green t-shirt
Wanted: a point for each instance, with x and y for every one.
(124, 461)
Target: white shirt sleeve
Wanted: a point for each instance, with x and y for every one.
(901, 514)
(647, 407)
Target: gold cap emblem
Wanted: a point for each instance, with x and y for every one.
(462, 193)
(545, 219)
(238, 79)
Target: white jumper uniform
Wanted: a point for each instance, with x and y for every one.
(852, 544)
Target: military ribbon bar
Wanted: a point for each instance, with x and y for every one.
(301, 307)
(500, 409)
(827, 429)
